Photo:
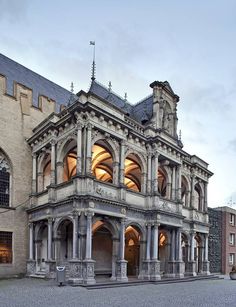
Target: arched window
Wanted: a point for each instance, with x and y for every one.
(102, 163)
(132, 173)
(4, 181)
(161, 182)
(70, 164)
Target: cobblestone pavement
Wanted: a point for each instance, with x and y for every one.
(34, 293)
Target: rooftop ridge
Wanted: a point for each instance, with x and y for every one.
(112, 92)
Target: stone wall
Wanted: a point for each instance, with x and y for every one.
(17, 119)
(215, 240)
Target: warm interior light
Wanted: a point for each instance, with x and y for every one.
(162, 240)
(132, 175)
(102, 163)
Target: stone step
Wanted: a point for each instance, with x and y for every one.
(114, 284)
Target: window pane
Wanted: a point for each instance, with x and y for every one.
(5, 247)
(4, 188)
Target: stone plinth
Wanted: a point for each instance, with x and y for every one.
(121, 270)
(88, 272)
(75, 272)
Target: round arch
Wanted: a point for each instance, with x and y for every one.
(109, 145)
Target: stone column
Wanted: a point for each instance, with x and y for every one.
(122, 162)
(31, 263)
(88, 263)
(115, 173)
(155, 264)
(155, 172)
(205, 197)
(149, 173)
(60, 171)
(155, 242)
(173, 196)
(79, 149)
(205, 264)
(122, 263)
(173, 246)
(192, 191)
(192, 247)
(168, 190)
(53, 162)
(89, 149)
(206, 248)
(148, 246)
(179, 265)
(49, 239)
(34, 175)
(88, 254)
(179, 183)
(75, 236)
(31, 241)
(190, 270)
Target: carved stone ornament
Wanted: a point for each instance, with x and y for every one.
(4, 164)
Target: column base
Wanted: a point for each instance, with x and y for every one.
(179, 269)
(155, 270)
(146, 270)
(50, 269)
(31, 267)
(75, 272)
(190, 269)
(88, 272)
(171, 270)
(206, 268)
(121, 270)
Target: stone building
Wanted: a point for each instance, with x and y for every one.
(112, 192)
(222, 247)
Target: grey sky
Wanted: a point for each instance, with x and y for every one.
(189, 43)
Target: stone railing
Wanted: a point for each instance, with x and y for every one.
(135, 199)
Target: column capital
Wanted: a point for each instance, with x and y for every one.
(50, 220)
(89, 214)
(53, 142)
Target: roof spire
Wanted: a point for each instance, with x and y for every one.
(71, 98)
(125, 96)
(93, 64)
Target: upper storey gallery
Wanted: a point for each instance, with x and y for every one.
(102, 136)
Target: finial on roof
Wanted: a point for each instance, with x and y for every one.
(180, 134)
(109, 86)
(125, 97)
(72, 87)
(71, 98)
(92, 43)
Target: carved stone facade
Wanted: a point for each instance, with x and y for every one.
(113, 193)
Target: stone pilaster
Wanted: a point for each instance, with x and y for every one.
(34, 175)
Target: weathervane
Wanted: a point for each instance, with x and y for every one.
(125, 97)
(93, 65)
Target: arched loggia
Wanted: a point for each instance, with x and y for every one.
(102, 162)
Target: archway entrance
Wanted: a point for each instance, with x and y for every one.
(102, 249)
(42, 248)
(132, 250)
(163, 252)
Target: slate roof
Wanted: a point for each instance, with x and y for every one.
(142, 111)
(14, 71)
